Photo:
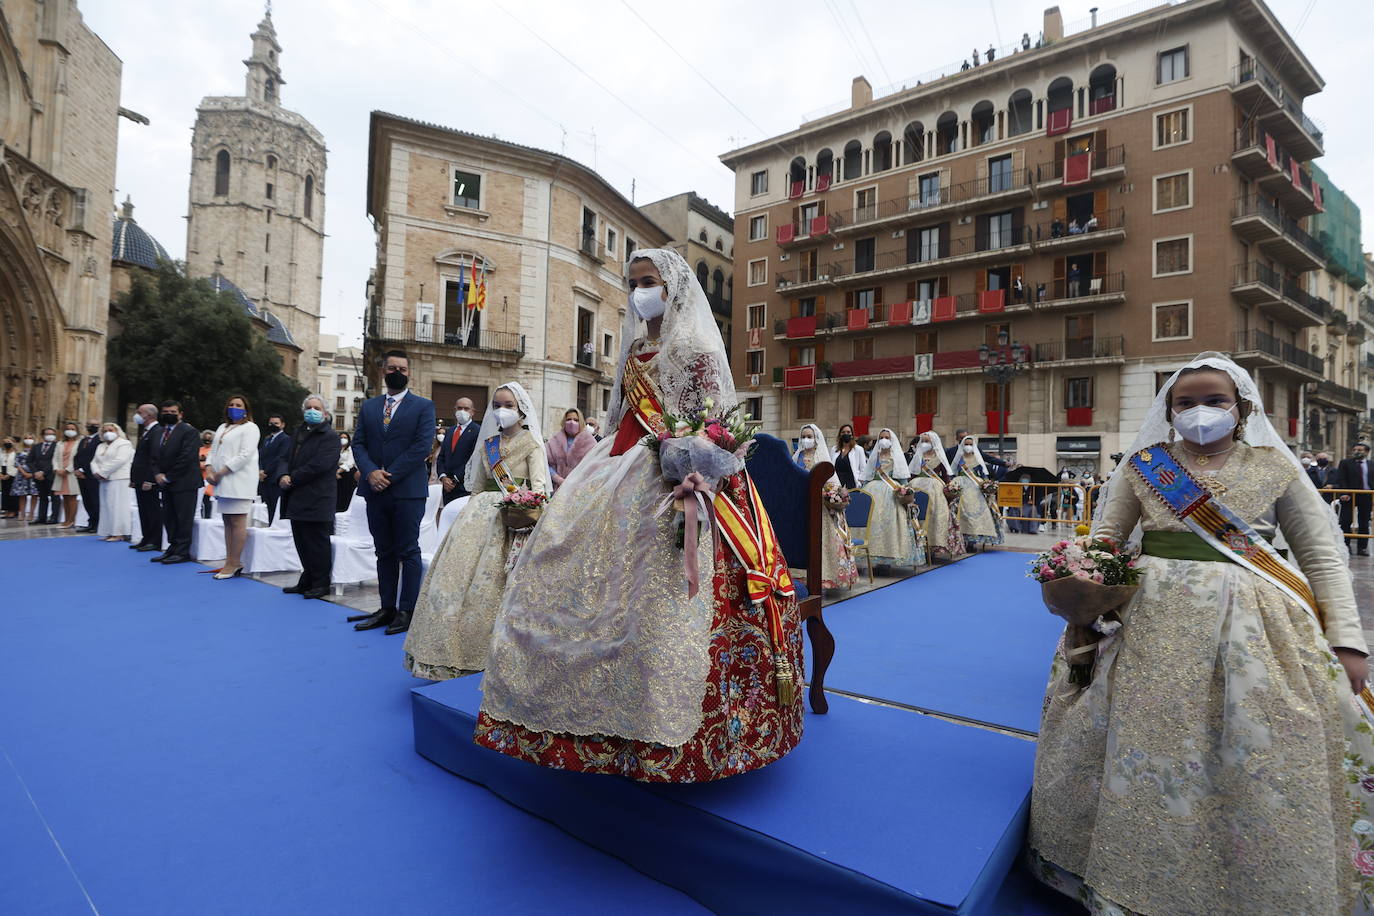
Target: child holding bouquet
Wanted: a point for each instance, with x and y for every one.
(838, 569)
(932, 475)
(979, 519)
(508, 477)
(1218, 759)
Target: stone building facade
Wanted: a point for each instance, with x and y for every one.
(342, 381)
(257, 202)
(1114, 200)
(704, 235)
(59, 107)
(549, 235)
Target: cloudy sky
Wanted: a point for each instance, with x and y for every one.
(645, 91)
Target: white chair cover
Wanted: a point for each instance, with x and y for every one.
(271, 549)
(355, 559)
(449, 515)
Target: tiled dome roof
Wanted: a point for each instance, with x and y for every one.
(222, 285)
(132, 245)
(277, 332)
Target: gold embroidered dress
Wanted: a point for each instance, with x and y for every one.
(891, 539)
(976, 519)
(450, 633)
(943, 537)
(1216, 764)
(838, 569)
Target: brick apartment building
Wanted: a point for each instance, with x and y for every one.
(1108, 203)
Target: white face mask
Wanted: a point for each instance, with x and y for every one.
(49, 438)
(28, 442)
(922, 447)
(968, 450)
(648, 302)
(1307, 462)
(884, 444)
(109, 436)
(69, 433)
(506, 418)
(462, 416)
(807, 443)
(138, 418)
(1203, 424)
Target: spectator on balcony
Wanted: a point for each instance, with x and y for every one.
(1056, 228)
(587, 352)
(1018, 290)
(976, 61)
(1074, 228)
(1355, 473)
(850, 459)
(1075, 280)
(1040, 292)
(1091, 224)
(992, 53)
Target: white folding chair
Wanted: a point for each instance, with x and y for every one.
(271, 549)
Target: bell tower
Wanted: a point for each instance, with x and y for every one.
(264, 82)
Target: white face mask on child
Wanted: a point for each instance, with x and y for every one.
(1204, 424)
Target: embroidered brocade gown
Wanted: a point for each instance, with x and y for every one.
(891, 538)
(944, 541)
(1216, 763)
(601, 663)
(838, 569)
(978, 522)
(450, 633)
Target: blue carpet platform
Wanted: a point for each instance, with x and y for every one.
(174, 746)
(971, 641)
(881, 809)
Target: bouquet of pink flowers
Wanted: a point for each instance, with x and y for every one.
(522, 508)
(1085, 580)
(835, 496)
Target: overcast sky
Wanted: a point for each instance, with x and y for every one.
(594, 81)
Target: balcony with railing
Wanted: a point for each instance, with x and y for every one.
(1330, 394)
(1257, 219)
(1089, 291)
(593, 248)
(476, 342)
(1083, 350)
(1258, 89)
(1299, 307)
(1096, 165)
(808, 231)
(1098, 229)
(975, 194)
(1256, 348)
(1256, 284)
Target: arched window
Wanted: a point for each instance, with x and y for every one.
(271, 162)
(269, 89)
(1020, 116)
(984, 123)
(882, 151)
(1102, 90)
(309, 208)
(718, 283)
(701, 237)
(914, 142)
(947, 134)
(703, 274)
(1060, 95)
(222, 173)
(796, 172)
(853, 159)
(825, 164)
(720, 244)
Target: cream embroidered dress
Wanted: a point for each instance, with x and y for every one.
(450, 633)
(838, 569)
(1216, 764)
(943, 538)
(891, 539)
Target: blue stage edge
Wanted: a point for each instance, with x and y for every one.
(879, 811)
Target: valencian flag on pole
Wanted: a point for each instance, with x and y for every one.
(471, 299)
(481, 302)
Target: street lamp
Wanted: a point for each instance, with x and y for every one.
(1001, 364)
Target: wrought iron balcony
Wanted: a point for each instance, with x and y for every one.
(395, 330)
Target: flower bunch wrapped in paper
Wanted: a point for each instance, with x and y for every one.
(835, 495)
(953, 491)
(521, 508)
(1085, 580)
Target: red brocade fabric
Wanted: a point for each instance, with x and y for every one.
(743, 727)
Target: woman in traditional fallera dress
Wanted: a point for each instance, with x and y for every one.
(891, 533)
(979, 522)
(450, 634)
(930, 474)
(838, 569)
(601, 659)
(1217, 762)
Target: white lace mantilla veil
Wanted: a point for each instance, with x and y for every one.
(692, 364)
(1259, 433)
(900, 471)
(939, 448)
(978, 461)
(476, 472)
(822, 449)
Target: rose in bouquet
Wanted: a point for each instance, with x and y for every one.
(835, 495)
(953, 491)
(1085, 580)
(905, 496)
(521, 508)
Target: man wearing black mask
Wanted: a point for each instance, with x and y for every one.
(175, 455)
(141, 479)
(1323, 475)
(1356, 473)
(85, 477)
(275, 447)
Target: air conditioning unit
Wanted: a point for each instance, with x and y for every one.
(900, 233)
(784, 256)
(965, 220)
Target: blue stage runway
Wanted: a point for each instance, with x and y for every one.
(174, 745)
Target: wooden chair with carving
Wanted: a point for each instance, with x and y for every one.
(792, 497)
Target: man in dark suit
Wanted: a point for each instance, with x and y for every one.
(390, 445)
(452, 461)
(141, 479)
(1322, 474)
(1355, 473)
(40, 464)
(86, 482)
(276, 446)
(175, 457)
(309, 495)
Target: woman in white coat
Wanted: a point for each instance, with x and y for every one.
(110, 464)
(233, 468)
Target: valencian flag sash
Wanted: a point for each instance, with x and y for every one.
(643, 397)
(499, 473)
(1229, 534)
(751, 538)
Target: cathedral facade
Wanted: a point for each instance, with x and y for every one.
(59, 108)
(257, 201)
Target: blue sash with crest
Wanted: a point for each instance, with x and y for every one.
(492, 449)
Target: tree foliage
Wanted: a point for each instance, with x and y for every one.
(181, 339)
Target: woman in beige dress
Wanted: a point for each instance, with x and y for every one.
(930, 474)
(838, 569)
(1217, 762)
(891, 537)
(64, 481)
(450, 632)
